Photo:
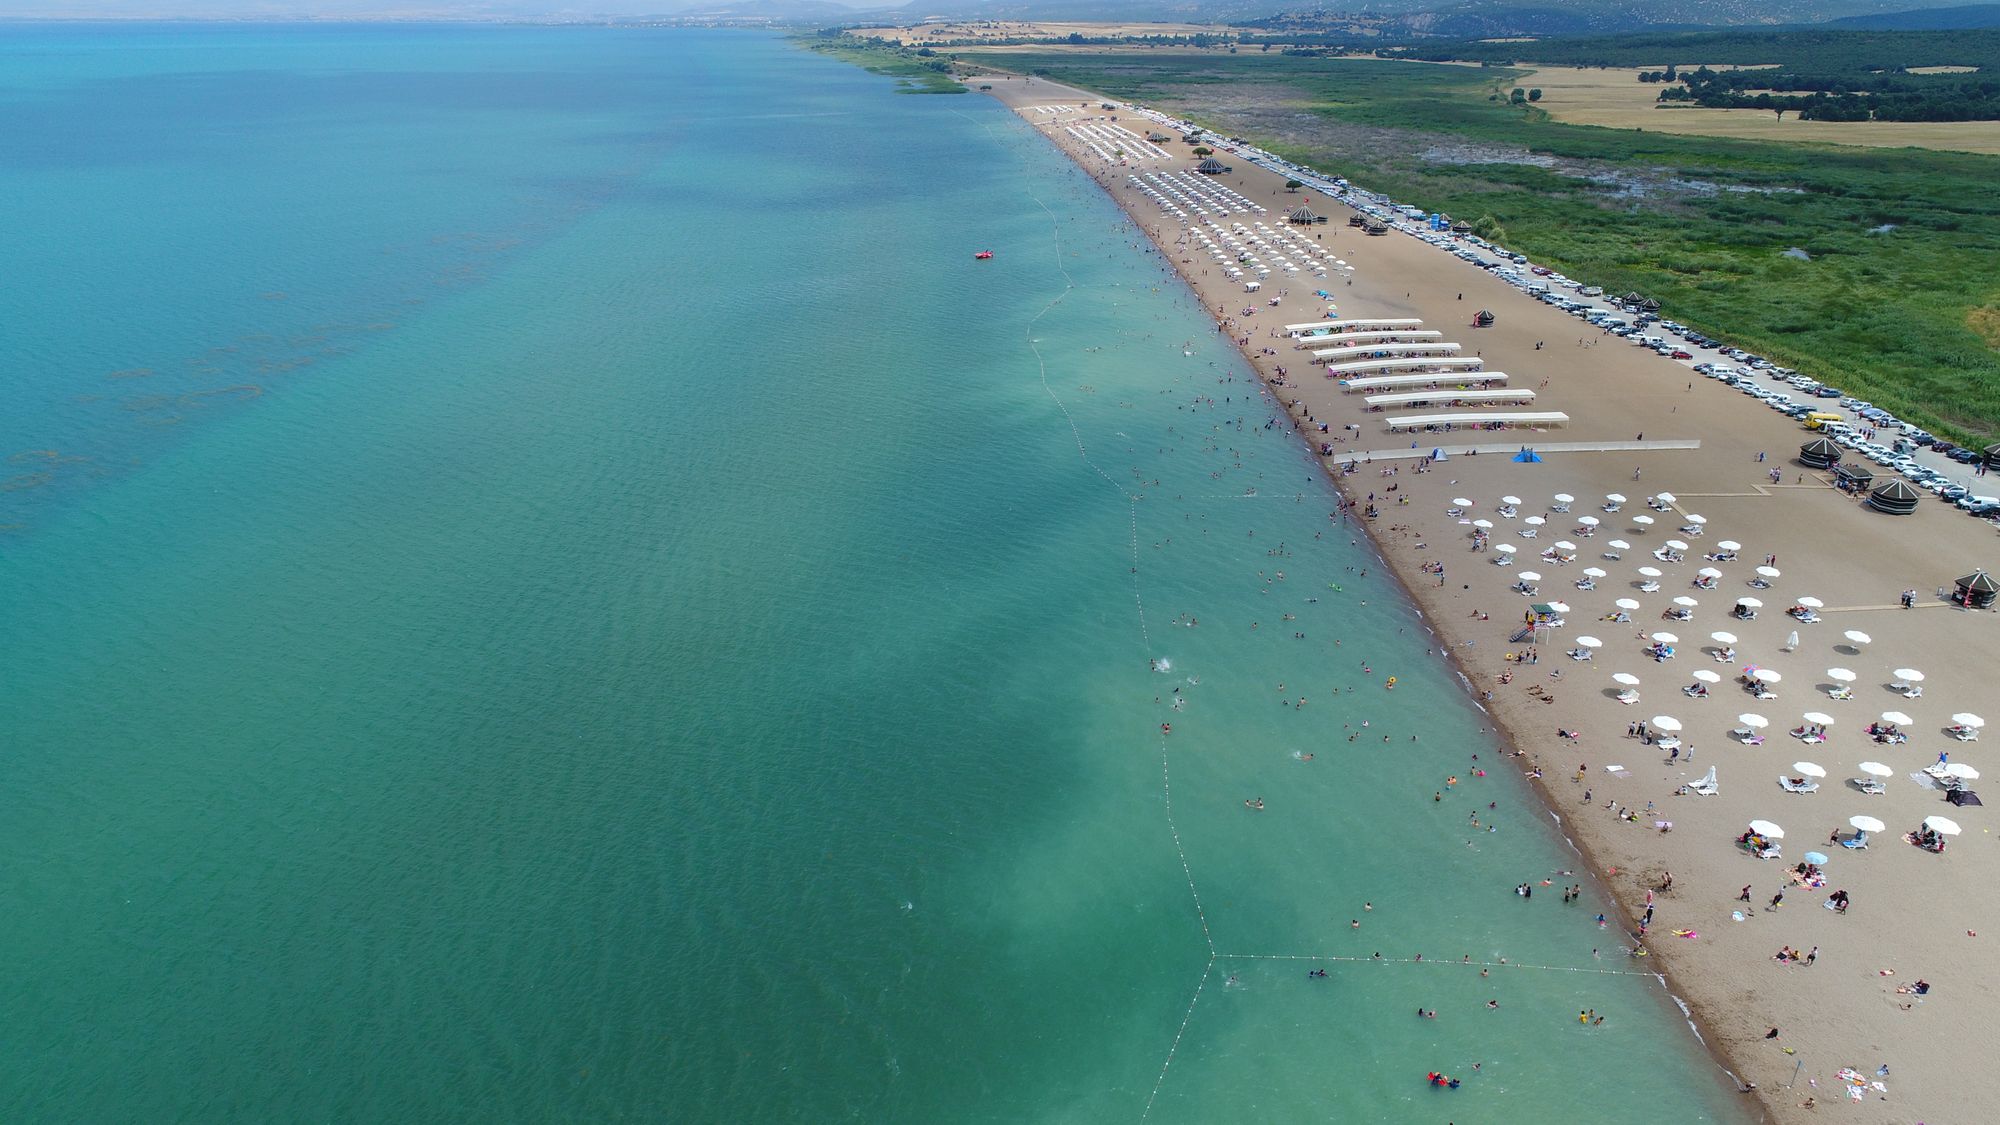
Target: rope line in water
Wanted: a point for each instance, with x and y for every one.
(1319, 957)
(1186, 1018)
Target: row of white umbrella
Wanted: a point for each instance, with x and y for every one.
(1943, 826)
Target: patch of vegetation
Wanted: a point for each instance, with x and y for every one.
(1902, 241)
(920, 69)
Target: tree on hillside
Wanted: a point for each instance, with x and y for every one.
(1519, 96)
(1535, 95)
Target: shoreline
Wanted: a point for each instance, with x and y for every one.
(1715, 457)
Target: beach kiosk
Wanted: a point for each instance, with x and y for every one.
(1977, 590)
(1819, 453)
(1304, 217)
(1993, 456)
(1853, 478)
(1895, 497)
(1482, 319)
(1212, 167)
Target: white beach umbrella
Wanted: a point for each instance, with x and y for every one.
(1666, 723)
(1876, 769)
(1767, 675)
(1811, 603)
(1897, 718)
(1665, 497)
(1753, 603)
(1666, 638)
(1942, 825)
(1588, 521)
(1483, 525)
(1559, 607)
(1626, 678)
(1754, 722)
(1643, 521)
(1650, 571)
(1615, 497)
(1510, 499)
(1968, 719)
(1857, 637)
(1589, 642)
(1697, 520)
(1529, 576)
(1593, 572)
(1960, 770)
(1721, 637)
(1707, 677)
(1767, 572)
(1686, 602)
(1676, 545)
(1627, 603)
(1565, 545)
(1506, 548)
(1460, 502)
(1809, 769)
(1729, 545)
(1819, 718)
(1709, 572)
(1841, 675)
(1910, 674)
(1865, 823)
(1767, 830)
(1534, 521)
(1565, 498)
(1619, 545)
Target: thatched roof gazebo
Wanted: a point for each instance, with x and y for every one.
(1993, 455)
(1977, 590)
(1895, 497)
(1819, 453)
(1303, 216)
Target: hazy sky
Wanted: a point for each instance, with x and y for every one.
(309, 9)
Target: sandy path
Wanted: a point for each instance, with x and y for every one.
(1913, 912)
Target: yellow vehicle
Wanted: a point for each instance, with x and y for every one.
(1819, 418)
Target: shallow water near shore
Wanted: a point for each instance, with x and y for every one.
(676, 637)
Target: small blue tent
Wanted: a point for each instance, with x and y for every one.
(1528, 455)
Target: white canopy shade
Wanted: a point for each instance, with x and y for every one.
(1754, 722)
(1666, 723)
(1460, 502)
(1506, 548)
(1910, 674)
(1626, 678)
(1709, 572)
(1809, 769)
(1666, 638)
(1865, 823)
(1812, 603)
(1767, 572)
(1614, 497)
(1565, 498)
(1942, 825)
(1559, 607)
(1766, 829)
(1968, 719)
(1697, 520)
(1534, 521)
(1676, 545)
(1897, 718)
(1753, 603)
(1593, 572)
(1510, 499)
(1686, 601)
(1767, 675)
(1619, 545)
(1707, 677)
(1627, 603)
(1721, 637)
(1643, 521)
(1877, 769)
(1588, 521)
(1483, 524)
(1841, 675)
(1650, 571)
(1960, 770)
(1589, 642)
(1565, 545)
(1819, 718)
(1856, 636)
(1665, 497)
(1729, 545)
(1529, 576)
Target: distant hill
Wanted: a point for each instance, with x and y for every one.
(1968, 17)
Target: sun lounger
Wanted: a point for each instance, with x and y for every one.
(1529, 532)
(1858, 841)
(1840, 692)
(1705, 785)
(1870, 785)
(1791, 785)
(1559, 507)
(1649, 587)
(1628, 697)
(1747, 736)
(1964, 734)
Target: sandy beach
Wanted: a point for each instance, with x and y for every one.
(1914, 915)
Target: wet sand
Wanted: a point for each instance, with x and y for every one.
(1913, 913)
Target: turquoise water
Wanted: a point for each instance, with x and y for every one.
(670, 636)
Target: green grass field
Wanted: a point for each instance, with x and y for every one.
(918, 74)
(1699, 223)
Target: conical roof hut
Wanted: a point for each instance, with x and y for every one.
(1978, 590)
(1211, 167)
(1304, 216)
(1819, 453)
(1895, 497)
(1993, 455)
